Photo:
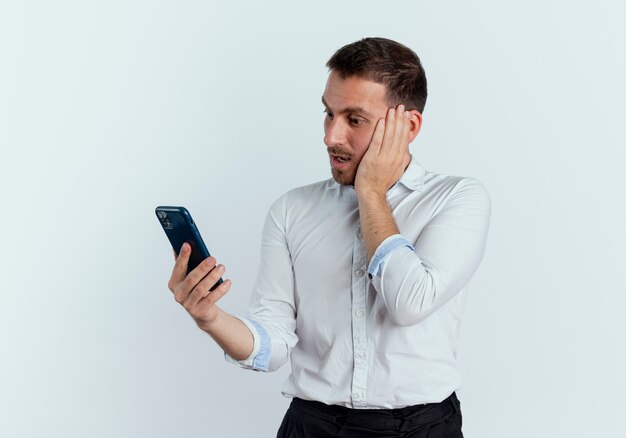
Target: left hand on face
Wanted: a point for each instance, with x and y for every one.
(388, 154)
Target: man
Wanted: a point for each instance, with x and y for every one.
(363, 277)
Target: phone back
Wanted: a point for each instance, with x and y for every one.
(180, 228)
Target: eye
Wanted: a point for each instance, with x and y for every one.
(355, 121)
(328, 113)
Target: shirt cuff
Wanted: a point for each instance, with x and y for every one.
(260, 357)
(386, 247)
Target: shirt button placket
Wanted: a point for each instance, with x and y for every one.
(359, 323)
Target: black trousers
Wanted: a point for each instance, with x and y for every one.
(310, 419)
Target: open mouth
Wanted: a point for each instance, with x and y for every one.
(339, 162)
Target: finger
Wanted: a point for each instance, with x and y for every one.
(200, 271)
(399, 125)
(201, 309)
(180, 266)
(184, 288)
(400, 140)
(377, 137)
(212, 298)
(390, 127)
(407, 126)
(203, 288)
(402, 132)
(204, 306)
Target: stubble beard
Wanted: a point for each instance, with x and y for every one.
(343, 177)
(346, 176)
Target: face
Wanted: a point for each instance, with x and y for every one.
(353, 106)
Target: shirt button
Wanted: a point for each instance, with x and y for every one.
(359, 313)
(360, 355)
(359, 273)
(358, 395)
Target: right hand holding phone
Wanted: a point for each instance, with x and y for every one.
(193, 291)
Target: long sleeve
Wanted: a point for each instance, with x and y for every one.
(271, 313)
(415, 283)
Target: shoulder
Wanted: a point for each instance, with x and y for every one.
(304, 197)
(434, 180)
(453, 189)
(317, 189)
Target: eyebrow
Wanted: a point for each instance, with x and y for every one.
(351, 109)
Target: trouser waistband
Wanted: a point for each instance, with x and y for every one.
(411, 416)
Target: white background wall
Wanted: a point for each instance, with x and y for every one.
(108, 109)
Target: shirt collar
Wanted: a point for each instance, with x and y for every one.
(413, 176)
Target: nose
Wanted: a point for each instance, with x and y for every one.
(334, 133)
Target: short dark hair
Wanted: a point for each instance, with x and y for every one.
(385, 62)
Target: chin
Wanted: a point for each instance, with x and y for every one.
(343, 178)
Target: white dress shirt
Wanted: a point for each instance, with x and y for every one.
(377, 336)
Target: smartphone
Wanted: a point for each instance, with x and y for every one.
(180, 228)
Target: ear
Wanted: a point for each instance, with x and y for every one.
(416, 124)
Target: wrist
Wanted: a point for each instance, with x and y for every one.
(370, 195)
